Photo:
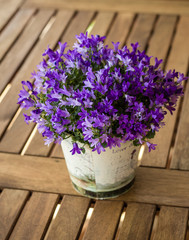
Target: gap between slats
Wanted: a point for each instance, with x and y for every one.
(14, 11)
(29, 23)
(11, 26)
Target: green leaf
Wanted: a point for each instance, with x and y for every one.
(150, 134)
(104, 144)
(83, 150)
(136, 142)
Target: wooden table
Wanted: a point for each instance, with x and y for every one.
(37, 200)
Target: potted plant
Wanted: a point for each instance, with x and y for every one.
(101, 104)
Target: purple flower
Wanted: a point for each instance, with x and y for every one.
(23, 95)
(27, 118)
(151, 146)
(98, 95)
(28, 84)
(88, 134)
(93, 142)
(99, 148)
(116, 45)
(76, 149)
(26, 103)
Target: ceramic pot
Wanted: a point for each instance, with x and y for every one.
(104, 175)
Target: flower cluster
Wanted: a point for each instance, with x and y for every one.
(99, 96)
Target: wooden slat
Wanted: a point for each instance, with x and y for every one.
(35, 217)
(178, 54)
(172, 224)
(8, 105)
(102, 23)
(159, 186)
(22, 46)
(37, 146)
(180, 48)
(119, 29)
(181, 150)
(154, 186)
(104, 220)
(141, 30)
(161, 38)
(78, 25)
(36, 173)
(145, 6)
(7, 10)
(138, 222)
(69, 220)
(13, 29)
(57, 152)
(11, 205)
(16, 135)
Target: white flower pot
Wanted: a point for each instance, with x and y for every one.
(104, 175)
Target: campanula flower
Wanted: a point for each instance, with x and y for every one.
(100, 96)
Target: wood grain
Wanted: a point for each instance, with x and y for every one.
(178, 56)
(179, 52)
(138, 222)
(35, 217)
(23, 46)
(57, 152)
(36, 173)
(14, 28)
(102, 23)
(154, 186)
(161, 37)
(37, 146)
(141, 6)
(69, 220)
(172, 224)
(141, 30)
(7, 10)
(119, 29)
(181, 149)
(104, 220)
(79, 24)
(11, 205)
(16, 135)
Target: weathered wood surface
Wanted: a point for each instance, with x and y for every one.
(154, 186)
(104, 220)
(14, 28)
(70, 218)
(7, 10)
(172, 224)
(35, 217)
(11, 205)
(22, 46)
(181, 151)
(145, 6)
(138, 222)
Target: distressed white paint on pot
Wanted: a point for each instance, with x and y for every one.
(104, 175)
